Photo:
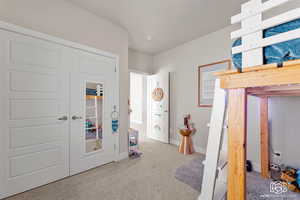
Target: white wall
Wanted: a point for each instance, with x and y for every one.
(182, 62)
(62, 19)
(140, 62)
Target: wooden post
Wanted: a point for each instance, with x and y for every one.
(264, 138)
(237, 131)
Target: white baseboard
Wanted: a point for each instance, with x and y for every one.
(256, 166)
(175, 142)
(200, 150)
(196, 148)
(122, 156)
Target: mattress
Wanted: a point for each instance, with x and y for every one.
(276, 53)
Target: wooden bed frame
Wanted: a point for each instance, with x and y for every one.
(262, 81)
(256, 79)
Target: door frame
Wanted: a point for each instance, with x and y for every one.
(146, 74)
(42, 36)
(149, 107)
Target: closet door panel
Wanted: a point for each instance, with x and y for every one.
(29, 163)
(34, 97)
(24, 109)
(32, 82)
(3, 125)
(35, 53)
(27, 136)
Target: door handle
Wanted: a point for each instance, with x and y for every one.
(63, 118)
(74, 117)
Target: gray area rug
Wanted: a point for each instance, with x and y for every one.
(257, 188)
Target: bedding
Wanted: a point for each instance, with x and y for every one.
(276, 53)
(91, 134)
(91, 92)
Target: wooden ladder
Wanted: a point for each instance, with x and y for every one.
(214, 183)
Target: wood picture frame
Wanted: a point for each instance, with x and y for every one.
(206, 84)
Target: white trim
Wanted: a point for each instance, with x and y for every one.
(200, 150)
(138, 72)
(137, 122)
(264, 7)
(174, 142)
(117, 102)
(122, 156)
(28, 32)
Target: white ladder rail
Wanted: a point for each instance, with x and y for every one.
(214, 176)
(96, 114)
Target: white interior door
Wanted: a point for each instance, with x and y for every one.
(93, 93)
(34, 119)
(158, 123)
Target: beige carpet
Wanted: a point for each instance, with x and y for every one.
(258, 188)
(150, 177)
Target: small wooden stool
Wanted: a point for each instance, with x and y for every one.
(186, 145)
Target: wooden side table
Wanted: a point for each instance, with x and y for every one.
(186, 145)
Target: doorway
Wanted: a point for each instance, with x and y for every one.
(138, 104)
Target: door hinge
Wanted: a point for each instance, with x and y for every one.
(115, 68)
(115, 147)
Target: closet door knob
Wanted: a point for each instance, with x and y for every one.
(63, 118)
(74, 117)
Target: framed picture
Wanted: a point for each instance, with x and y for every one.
(206, 81)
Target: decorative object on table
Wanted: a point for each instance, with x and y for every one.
(186, 145)
(133, 143)
(114, 120)
(206, 81)
(157, 93)
(186, 120)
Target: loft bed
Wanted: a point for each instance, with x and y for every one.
(93, 126)
(257, 78)
(92, 94)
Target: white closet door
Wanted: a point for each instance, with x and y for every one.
(34, 95)
(93, 87)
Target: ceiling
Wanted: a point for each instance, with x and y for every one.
(168, 22)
